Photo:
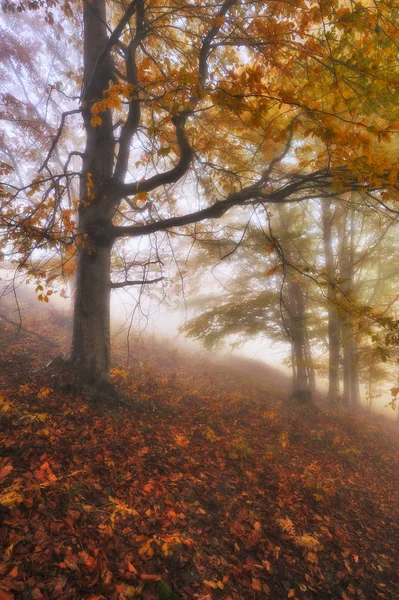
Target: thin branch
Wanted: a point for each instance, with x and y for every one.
(58, 135)
(121, 284)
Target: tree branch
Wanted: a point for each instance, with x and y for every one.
(219, 208)
(179, 121)
(171, 176)
(122, 284)
(133, 118)
(58, 135)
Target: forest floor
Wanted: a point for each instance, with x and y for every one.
(207, 483)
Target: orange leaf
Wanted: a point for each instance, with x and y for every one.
(13, 573)
(45, 475)
(96, 120)
(6, 595)
(311, 557)
(257, 526)
(255, 585)
(149, 577)
(131, 568)
(6, 471)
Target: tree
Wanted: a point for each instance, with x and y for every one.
(181, 96)
(328, 218)
(267, 281)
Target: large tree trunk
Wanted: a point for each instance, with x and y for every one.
(333, 319)
(91, 334)
(90, 353)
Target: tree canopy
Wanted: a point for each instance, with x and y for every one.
(171, 113)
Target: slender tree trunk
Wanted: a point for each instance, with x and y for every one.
(333, 319)
(353, 343)
(344, 316)
(302, 391)
(349, 342)
(309, 361)
(300, 352)
(293, 367)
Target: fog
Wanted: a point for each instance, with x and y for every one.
(157, 321)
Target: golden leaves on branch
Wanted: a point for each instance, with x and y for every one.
(112, 100)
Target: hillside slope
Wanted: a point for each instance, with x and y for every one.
(206, 483)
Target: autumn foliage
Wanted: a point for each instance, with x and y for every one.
(205, 483)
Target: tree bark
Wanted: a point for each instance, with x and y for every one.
(301, 388)
(349, 342)
(91, 334)
(309, 361)
(90, 353)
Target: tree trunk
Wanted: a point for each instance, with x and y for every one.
(90, 353)
(349, 342)
(301, 388)
(91, 334)
(309, 361)
(333, 319)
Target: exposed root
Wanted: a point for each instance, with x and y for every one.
(66, 378)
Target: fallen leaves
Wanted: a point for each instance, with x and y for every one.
(201, 497)
(45, 474)
(5, 469)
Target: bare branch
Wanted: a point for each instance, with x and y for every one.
(121, 284)
(171, 176)
(219, 208)
(133, 119)
(58, 135)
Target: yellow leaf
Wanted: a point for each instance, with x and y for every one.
(211, 584)
(129, 591)
(11, 497)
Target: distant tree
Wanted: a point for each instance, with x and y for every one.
(267, 281)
